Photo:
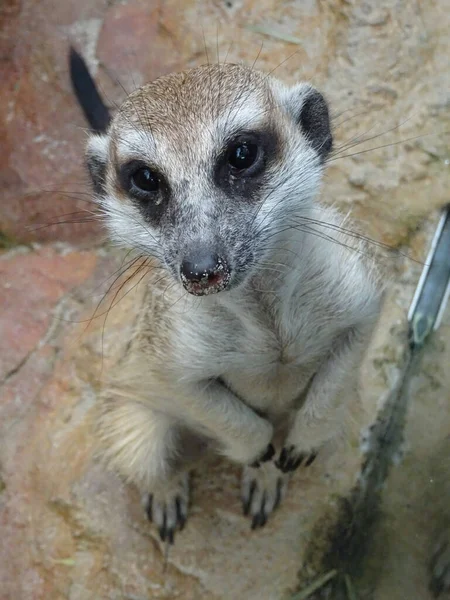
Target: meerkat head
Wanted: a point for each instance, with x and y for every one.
(201, 169)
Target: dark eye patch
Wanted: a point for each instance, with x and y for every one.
(146, 185)
(245, 156)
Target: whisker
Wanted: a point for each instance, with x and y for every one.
(350, 144)
(359, 236)
(114, 303)
(404, 141)
(96, 314)
(124, 265)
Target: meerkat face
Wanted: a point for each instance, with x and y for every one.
(204, 169)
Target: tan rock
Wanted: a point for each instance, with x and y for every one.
(31, 284)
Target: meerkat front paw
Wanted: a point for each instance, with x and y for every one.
(167, 506)
(262, 490)
(291, 457)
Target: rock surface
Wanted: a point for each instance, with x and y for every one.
(72, 531)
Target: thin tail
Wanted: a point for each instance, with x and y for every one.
(95, 111)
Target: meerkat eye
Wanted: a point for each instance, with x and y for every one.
(142, 182)
(242, 155)
(145, 180)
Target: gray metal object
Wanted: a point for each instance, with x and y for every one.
(433, 289)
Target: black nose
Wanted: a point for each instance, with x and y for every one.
(204, 273)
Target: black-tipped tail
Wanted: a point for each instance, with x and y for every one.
(95, 111)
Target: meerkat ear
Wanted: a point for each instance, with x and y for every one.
(310, 110)
(96, 160)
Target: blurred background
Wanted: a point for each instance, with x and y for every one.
(69, 530)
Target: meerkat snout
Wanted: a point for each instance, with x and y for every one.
(204, 272)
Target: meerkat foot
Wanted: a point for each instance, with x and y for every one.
(262, 490)
(167, 507)
(267, 455)
(292, 457)
(440, 567)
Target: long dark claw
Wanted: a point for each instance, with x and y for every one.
(278, 496)
(181, 519)
(248, 502)
(260, 519)
(288, 461)
(268, 455)
(282, 459)
(149, 509)
(311, 459)
(162, 529)
(255, 521)
(297, 462)
(170, 536)
(263, 519)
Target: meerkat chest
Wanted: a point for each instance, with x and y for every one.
(273, 391)
(269, 371)
(266, 363)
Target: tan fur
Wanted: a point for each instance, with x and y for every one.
(172, 106)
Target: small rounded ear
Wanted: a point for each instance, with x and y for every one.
(96, 160)
(310, 111)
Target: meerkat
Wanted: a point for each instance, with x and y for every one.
(253, 326)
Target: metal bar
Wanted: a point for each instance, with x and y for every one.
(433, 289)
